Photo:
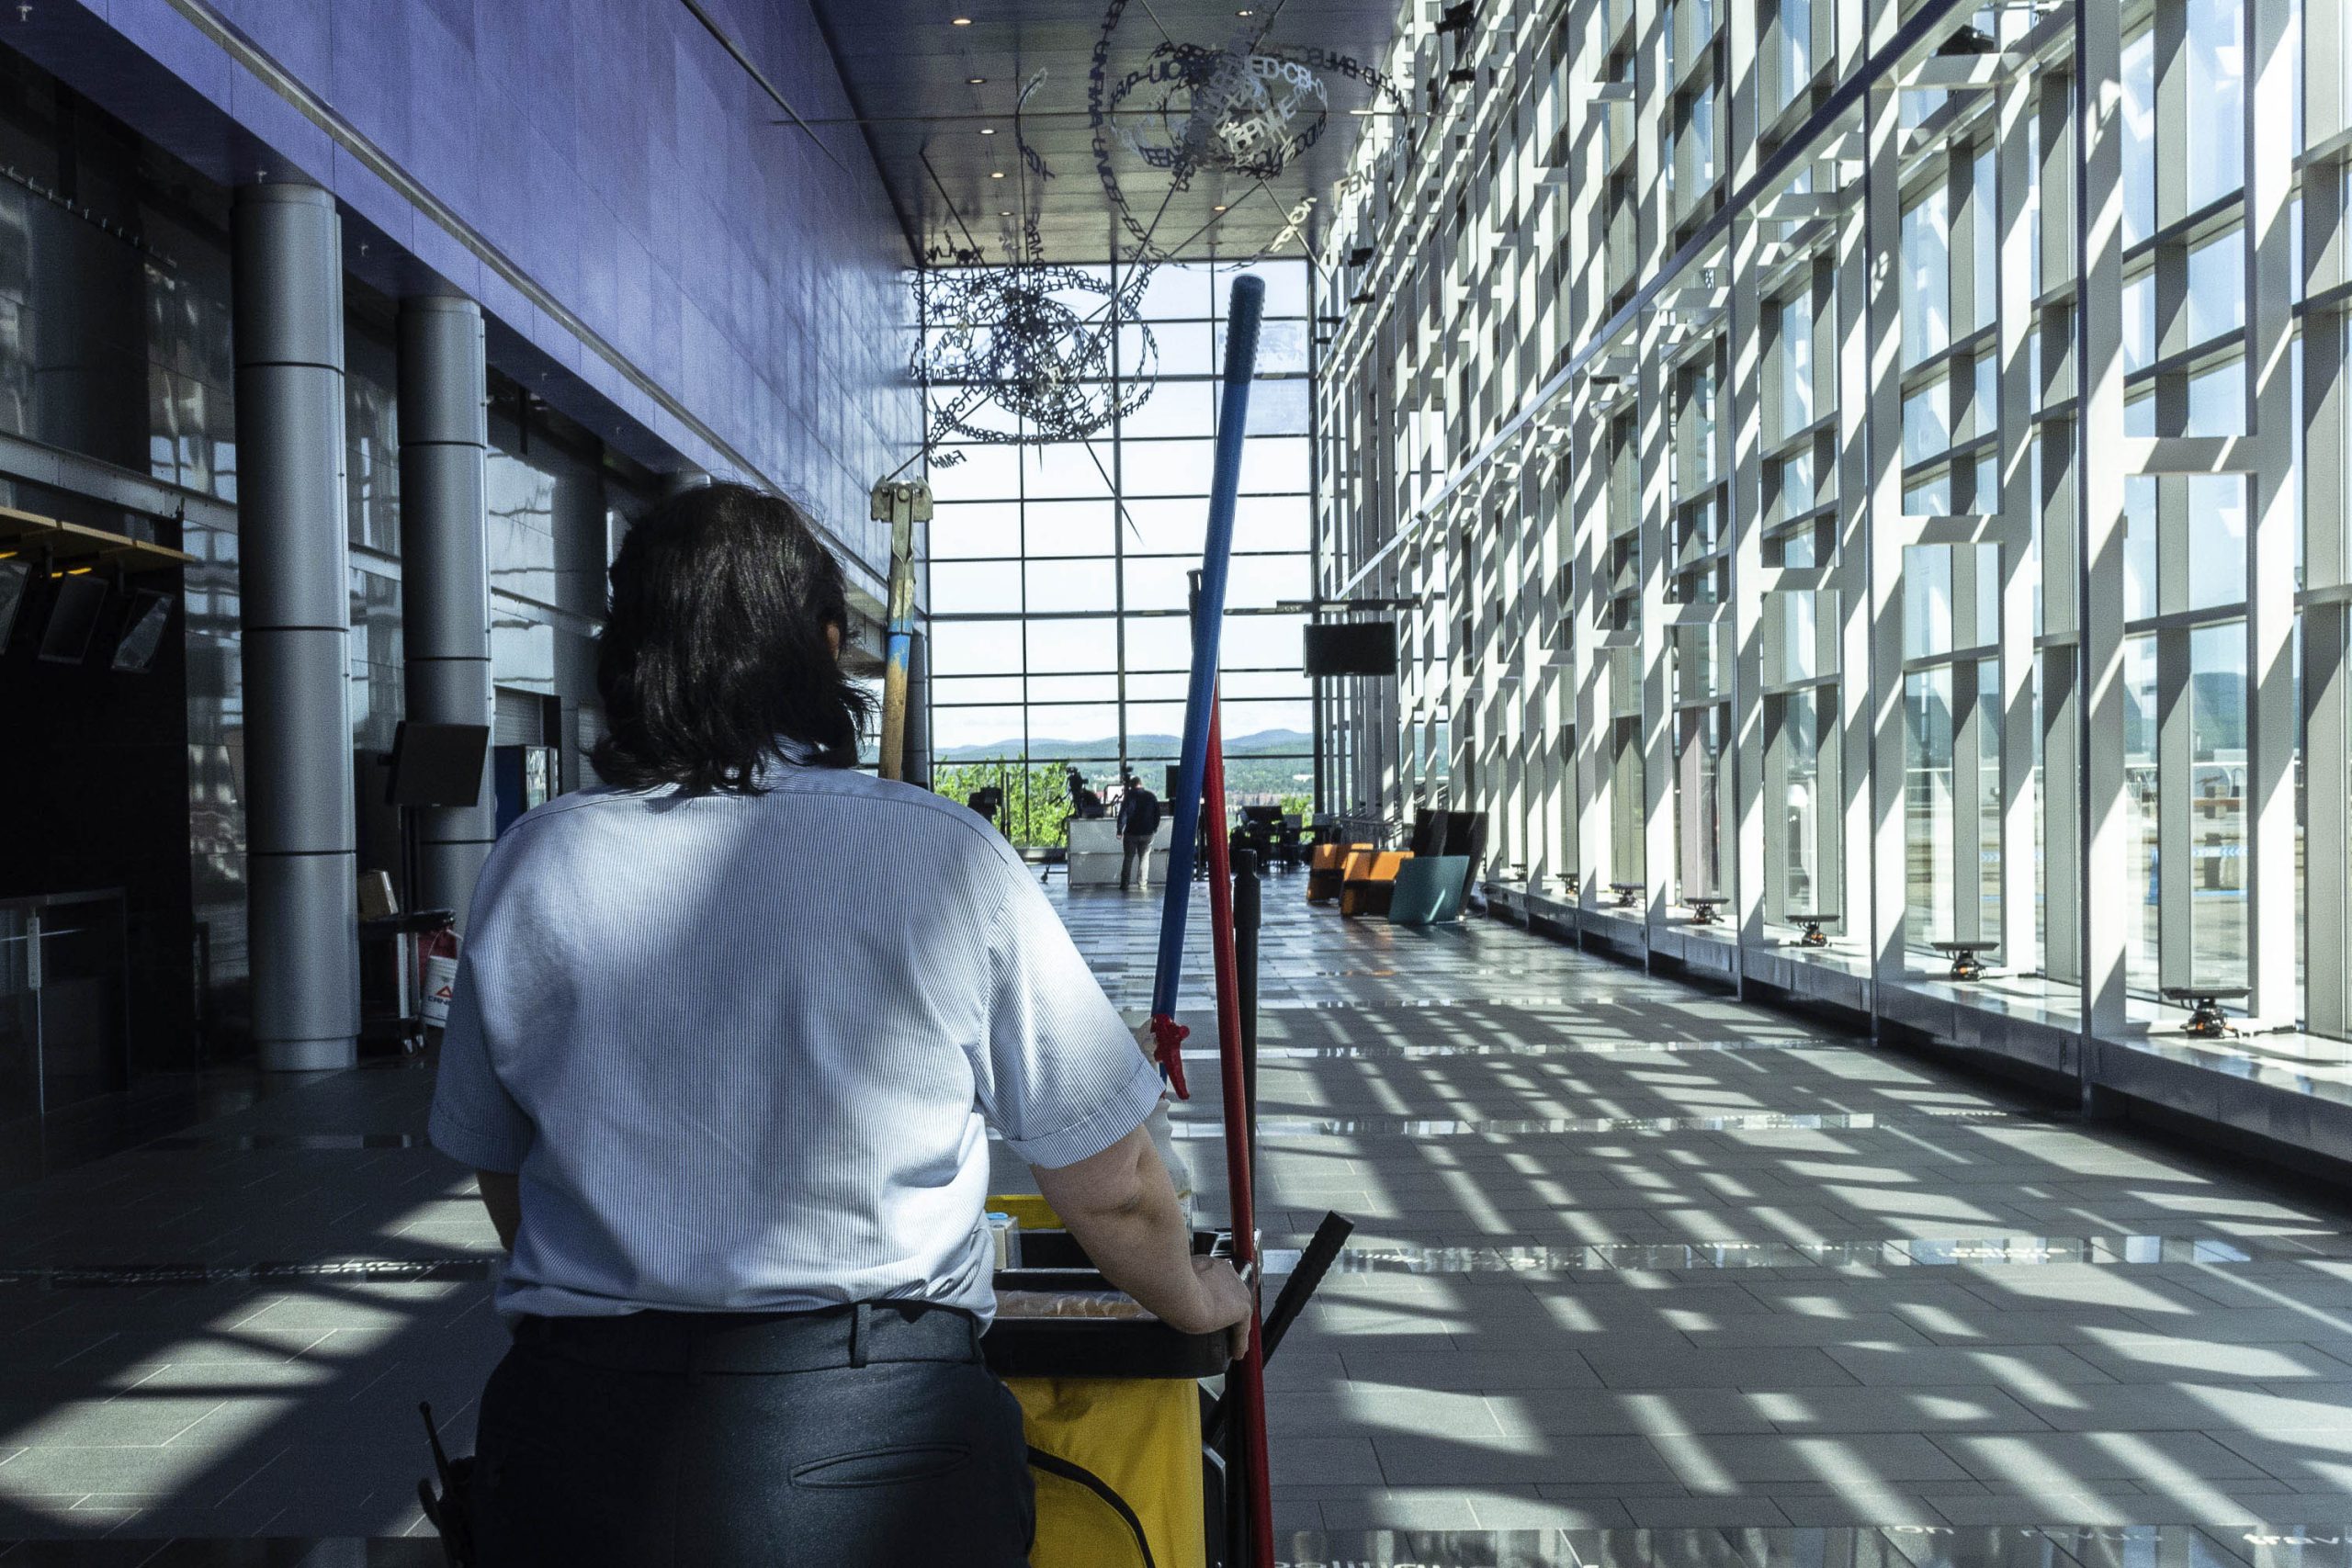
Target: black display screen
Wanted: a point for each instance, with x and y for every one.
(13, 575)
(1351, 647)
(73, 619)
(143, 631)
(438, 764)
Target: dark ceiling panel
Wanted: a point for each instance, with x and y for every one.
(909, 71)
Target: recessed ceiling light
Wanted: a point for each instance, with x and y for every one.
(1220, 207)
(1006, 212)
(1245, 13)
(988, 130)
(996, 174)
(959, 21)
(975, 80)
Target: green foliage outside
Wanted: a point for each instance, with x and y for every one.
(1036, 800)
(1037, 796)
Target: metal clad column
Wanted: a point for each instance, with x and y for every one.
(296, 614)
(445, 577)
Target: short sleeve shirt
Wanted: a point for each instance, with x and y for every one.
(743, 1051)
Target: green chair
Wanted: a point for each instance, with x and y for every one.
(1428, 890)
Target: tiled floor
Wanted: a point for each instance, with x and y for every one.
(1640, 1273)
(1630, 1254)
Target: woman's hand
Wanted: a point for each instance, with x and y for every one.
(1222, 1301)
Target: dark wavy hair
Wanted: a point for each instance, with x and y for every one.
(715, 658)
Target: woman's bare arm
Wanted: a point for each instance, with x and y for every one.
(501, 1195)
(1123, 1210)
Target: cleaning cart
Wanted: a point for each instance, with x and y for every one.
(1132, 1448)
(1138, 1458)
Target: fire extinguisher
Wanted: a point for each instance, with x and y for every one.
(438, 963)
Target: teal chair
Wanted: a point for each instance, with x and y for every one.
(1428, 890)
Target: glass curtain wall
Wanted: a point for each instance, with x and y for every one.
(1059, 572)
(1954, 481)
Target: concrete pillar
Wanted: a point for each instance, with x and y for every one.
(444, 572)
(296, 613)
(916, 769)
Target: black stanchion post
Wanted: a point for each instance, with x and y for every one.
(1237, 1533)
(1247, 913)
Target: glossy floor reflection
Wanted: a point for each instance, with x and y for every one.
(1634, 1253)
(2296, 1546)
(201, 1552)
(1924, 1547)
(1640, 1272)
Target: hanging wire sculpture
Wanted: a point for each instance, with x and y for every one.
(1032, 342)
(1030, 351)
(1229, 109)
(1248, 111)
(1027, 351)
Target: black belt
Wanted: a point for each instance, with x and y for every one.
(757, 1342)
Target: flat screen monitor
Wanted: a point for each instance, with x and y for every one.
(437, 764)
(1351, 647)
(72, 619)
(143, 631)
(13, 576)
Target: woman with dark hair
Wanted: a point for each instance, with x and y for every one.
(725, 1047)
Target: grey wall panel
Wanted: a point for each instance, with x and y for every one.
(284, 316)
(702, 285)
(291, 803)
(304, 916)
(445, 605)
(299, 480)
(295, 633)
(441, 368)
(445, 585)
(450, 686)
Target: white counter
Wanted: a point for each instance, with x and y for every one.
(1095, 851)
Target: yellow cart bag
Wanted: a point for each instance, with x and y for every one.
(1111, 1407)
(1117, 1464)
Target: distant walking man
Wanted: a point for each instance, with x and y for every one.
(1139, 820)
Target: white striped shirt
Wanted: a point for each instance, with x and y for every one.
(740, 1048)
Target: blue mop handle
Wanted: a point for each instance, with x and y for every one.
(1247, 304)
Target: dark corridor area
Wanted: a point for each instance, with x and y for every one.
(93, 836)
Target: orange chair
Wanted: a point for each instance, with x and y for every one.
(1354, 865)
(1369, 881)
(1327, 873)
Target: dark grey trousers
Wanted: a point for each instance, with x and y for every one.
(1135, 866)
(869, 1437)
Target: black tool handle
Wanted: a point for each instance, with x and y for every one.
(1322, 1251)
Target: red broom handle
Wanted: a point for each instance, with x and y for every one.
(1250, 1371)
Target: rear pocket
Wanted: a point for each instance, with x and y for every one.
(893, 1466)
